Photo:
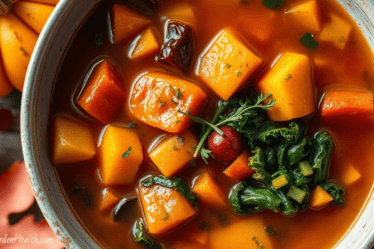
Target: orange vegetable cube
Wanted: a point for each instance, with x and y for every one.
(350, 175)
(247, 233)
(290, 83)
(174, 153)
(227, 64)
(347, 107)
(239, 169)
(319, 198)
(126, 22)
(120, 155)
(307, 14)
(181, 12)
(337, 31)
(157, 97)
(145, 45)
(72, 142)
(103, 95)
(109, 199)
(208, 191)
(164, 208)
(34, 14)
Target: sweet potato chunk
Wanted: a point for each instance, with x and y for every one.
(307, 14)
(290, 83)
(72, 142)
(208, 191)
(227, 64)
(157, 97)
(336, 31)
(164, 208)
(348, 107)
(319, 198)
(34, 14)
(126, 22)
(120, 155)
(239, 169)
(174, 153)
(350, 175)
(247, 233)
(109, 199)
(146, 45)
(103, 95)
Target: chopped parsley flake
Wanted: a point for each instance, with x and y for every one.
(175, 148)
(179, 94)
(171, 88)
(162, 104)
(239, 74)
(178, 121)
(127, 153)
(228, 65)
(308, 41)
(131, 125)
(166, 216)
(289, 76)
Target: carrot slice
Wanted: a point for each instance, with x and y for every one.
(17, 43)
(109, 199)
(348, 107)
(103, 97)
(208, 191)
(126, 22)
(33, 14)
(239, 169)
(319, 198)
(50, 2)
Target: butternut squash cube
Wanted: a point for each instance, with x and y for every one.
(174, 153)
(290, 83)
(227, 64)
(126, 22)
(72, 142)
(145, 45)
(319, 198)
(239, 169)
(208, 191)
(307, 14)
(350, 175)
(157, 97)
(109, 200)
(120, 155)
(247, 233)
(103, 96)
(337, 31)
(164, 208)
(181, 12)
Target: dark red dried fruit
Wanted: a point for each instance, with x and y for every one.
(178, 48)
(6, 119)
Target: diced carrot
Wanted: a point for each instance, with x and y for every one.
(103, 96)
(290, 83)
(126, 22)
(350, 175)
(145, 45)
(336, 31)
(174, 153)
(120, 155)
(347, 107)
(319, 198)
(109, 199)
(50, 2)
(185, 245)
(307, 14)
(157, 97)
(227, 64)
(208, 191)
(5, 86)
(33, 14)
(17, 42)
(164, 208)
(247, 233)
(72, 142)
(239, 169)
(181, 12)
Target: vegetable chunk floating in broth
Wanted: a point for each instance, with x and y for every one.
(215, 124)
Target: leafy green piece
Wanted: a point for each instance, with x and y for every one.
(244, 199)
(335, 191)
(273, 4)
(308, 41)
(141, 235)
(320, 157)
(297, 152)
(283, 135)
(271, 160)
(175, 183)
(257, 163)
(304, 205)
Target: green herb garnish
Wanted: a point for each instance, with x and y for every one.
(239, 74)
(179, 94)
(131, 125)
(308, 41)
(166, 216)
(288, 77)
(171, 88)
(273, 4)
(127, 153)
(141, 235)
(175, 148)
(162, 104)
(228, 65)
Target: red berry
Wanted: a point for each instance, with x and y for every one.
(6, 119)
(227, 147)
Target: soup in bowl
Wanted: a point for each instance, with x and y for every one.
(209, 124)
